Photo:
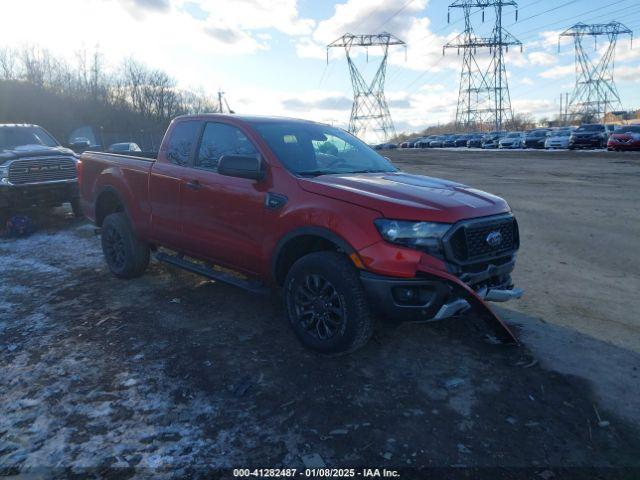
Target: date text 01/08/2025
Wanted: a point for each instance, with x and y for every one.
(315, 472)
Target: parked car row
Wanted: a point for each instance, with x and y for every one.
(596, 135)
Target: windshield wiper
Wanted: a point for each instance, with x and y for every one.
(372, 171)
(315, 173)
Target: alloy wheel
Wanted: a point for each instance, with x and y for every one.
(114, 247)
(318, 307)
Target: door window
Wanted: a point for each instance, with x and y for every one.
(220, 139)
(181, 143)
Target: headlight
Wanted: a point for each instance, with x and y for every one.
(4, 175)
(421, 235)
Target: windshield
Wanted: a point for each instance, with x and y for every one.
(561, 133)
(590, 128)
(314, 149)
(12, 137)
(538, 133)
(514, 135)
(628, 129)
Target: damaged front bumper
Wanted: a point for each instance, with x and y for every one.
(436, 295)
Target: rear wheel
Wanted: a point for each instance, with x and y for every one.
(4, 217)
(326, 305)
(125, 254)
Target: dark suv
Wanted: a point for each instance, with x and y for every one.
(593, 135)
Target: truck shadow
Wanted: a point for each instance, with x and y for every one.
(175, 367)
(417, 394)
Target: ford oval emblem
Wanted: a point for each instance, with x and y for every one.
(494, 239)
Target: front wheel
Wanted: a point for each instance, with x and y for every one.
(326, 304)
(125, 254)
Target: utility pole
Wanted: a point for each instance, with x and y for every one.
(595, 91)
(223, 105)
(560, 121)
(483, 97)
(369, 112)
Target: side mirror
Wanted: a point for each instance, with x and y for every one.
(241, 166)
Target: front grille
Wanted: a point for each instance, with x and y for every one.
(468, 241)
(37, 170)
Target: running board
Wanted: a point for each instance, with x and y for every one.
(224, 277)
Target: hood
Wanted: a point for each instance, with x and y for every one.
(625, 136)
(588, 134)
(25, 151)
(407, 197)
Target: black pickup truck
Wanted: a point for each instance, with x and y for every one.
(35, 170)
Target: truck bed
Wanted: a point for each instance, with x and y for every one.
(126, 174)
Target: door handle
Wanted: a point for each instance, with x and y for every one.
(194, 185)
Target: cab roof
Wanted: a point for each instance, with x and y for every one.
(247, 118)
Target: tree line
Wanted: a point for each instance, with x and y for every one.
(132, 100)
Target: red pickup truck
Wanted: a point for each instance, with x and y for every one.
(268, 203)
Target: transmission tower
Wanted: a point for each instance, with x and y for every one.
(370, 111)
(595, 92)
(483, 97)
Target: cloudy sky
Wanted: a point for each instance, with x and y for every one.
(269, 56)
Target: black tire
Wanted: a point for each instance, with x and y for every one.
(75, 208)
(125, 254)
(4, 217)
(339, 311)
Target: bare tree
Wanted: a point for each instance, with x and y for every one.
(133, 98)
(8, 64)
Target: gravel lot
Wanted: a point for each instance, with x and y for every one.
(172, 375)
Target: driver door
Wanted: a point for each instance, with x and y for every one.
(222, 216)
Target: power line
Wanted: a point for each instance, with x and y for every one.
(573, 17)
(546, 11)
(394, 15)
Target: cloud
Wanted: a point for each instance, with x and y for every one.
(281, 15)
(407, 21)
(138, 8)
(195, 10)
(548, 40)
(542, 58)
(225, 35)
(558, 72)
(157, 5)
(365, 16)
(399, 103)
(628, 74)
(537, 108)
(327, 103)
(307, 48)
